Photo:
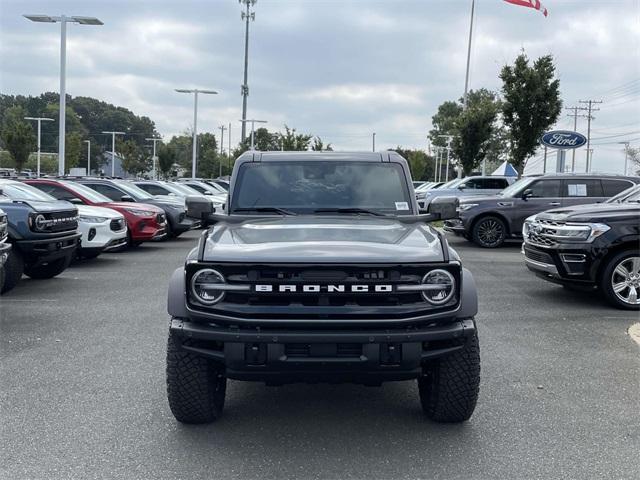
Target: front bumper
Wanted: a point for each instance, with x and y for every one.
(563, 264)
(46, 250)
(454, 225)
(277, 356)
(99, 236)
(183, 223)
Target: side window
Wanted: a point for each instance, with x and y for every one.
(58, 192)
(153, 189)
(495, 183)
(546, 188)
(589, 187)
(107, 190)
(196, 187)
(613, 187)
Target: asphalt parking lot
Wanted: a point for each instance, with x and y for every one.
(83, 389)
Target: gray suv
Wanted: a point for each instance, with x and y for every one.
(463, 187)
(489, 221)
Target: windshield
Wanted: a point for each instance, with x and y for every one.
(182, 189)
(452, 183)
(133, 190)
(88, 193)
(307, 186)
(631, 194)
(21, 191)
(213, 188)
(516, 187)
(220, 185)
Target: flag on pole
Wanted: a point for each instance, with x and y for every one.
(535, 4)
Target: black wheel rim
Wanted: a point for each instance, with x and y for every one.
(490, 232)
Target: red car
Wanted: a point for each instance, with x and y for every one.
(145, 222)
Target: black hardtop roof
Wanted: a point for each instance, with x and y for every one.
(385, 156)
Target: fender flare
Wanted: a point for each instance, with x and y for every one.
(468, 296)
(176, 305)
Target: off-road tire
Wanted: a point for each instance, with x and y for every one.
(196, 386)
(50, 269)
(449, 386)
(13, 270)
(482, 238)
(606, 284)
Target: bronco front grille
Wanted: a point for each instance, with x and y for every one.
(54, 222)
(381, 291)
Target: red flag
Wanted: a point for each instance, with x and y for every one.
(535, 4)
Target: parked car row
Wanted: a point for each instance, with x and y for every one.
(578, 230)
(46, 223)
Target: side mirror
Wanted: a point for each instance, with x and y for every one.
(75, 201)
(528, 193)
(127, 198)
(444, 208)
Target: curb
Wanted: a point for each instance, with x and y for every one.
(634, 332)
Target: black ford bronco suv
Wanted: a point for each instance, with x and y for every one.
(322, 269)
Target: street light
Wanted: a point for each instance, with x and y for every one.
(626, 156)
(253, 122)
(154, 140)
(39, 120)
(63, 20)
(195, 92)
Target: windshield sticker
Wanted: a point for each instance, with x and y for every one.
(402, 206)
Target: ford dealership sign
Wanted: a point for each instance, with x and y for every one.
(563, 139)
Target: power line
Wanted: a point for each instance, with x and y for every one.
(590, 108)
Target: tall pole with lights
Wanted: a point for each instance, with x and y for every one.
(253, 125)
(194, 147)
(88, 142)
(244, 89)
(63, 20)
(39, 120)
(155, 158)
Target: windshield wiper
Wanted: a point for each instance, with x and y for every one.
(265, 210)
(349, 210)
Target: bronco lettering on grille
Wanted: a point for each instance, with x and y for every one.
(292, 288)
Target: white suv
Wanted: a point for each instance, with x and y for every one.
(102, 229)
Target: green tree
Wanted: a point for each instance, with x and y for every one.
(134, 160)
(474, 129)
(73, 150)
(17, 136)
(422, 166)
(166, 159)
(531, 104)
(444, 122)
(319, 146)
(292, 141)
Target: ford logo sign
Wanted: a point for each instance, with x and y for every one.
(563, 139)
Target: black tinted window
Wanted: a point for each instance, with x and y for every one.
(589, 187)
(153, 189)
(614, 187)
(545, 188)
(305, 186)
(55, 191)
(107, 190)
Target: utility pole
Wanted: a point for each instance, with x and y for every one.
(575, 116)
(449, 139)
(374, 141)
(154, 159)
(88, 142)
(253, 122)
(222, 129)
(544, 165)
(244, 88)
(229, 150)
(626, 156)
(39, 120)
(113, 150)
(436, 176)
(590, 117)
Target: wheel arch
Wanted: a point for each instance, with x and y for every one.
(613, 251)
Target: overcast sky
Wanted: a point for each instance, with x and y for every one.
(340, 69)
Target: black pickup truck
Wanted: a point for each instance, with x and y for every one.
(322, 269)
(43, 233)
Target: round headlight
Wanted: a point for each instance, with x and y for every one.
(206, 286)
(40, 222)
(440, 287)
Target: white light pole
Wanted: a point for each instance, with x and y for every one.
(39, 120)
(113, 150)
(626, 156)
(63, 20)
(449, 138)
(88, 142)
(154, 159)
(253, 124)
(373, 140)
(244, 89)
(194, 148)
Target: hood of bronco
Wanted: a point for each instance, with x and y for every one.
(326, 239)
